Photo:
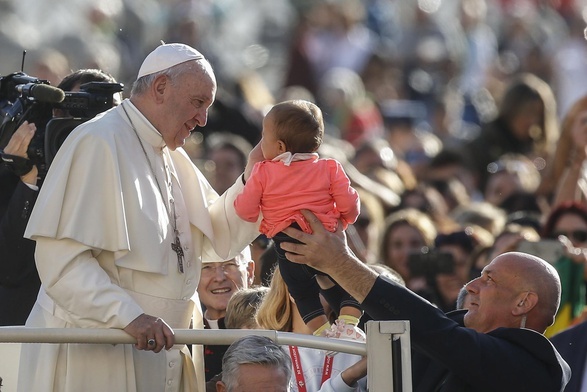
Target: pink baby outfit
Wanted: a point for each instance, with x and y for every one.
(280, 188)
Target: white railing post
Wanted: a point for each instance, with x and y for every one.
(389, 356)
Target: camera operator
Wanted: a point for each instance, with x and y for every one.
(19, 186)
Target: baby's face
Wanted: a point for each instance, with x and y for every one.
(270, 145)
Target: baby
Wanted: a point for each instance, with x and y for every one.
(291, 178)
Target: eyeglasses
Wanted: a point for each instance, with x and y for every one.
(573, 235)
(228, 267)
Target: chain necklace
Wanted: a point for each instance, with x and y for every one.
(176, 245)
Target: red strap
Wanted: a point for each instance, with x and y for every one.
(299, 373)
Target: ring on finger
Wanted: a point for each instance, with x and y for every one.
(151, 342)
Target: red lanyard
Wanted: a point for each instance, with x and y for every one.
(299, 373)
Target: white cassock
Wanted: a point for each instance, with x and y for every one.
(104, 256)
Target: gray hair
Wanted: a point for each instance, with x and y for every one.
(255, 350)
(142, 84)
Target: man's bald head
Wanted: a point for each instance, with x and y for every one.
(514, 290)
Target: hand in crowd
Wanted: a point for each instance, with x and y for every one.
(354, 373)
(147, 328)
(18, 145)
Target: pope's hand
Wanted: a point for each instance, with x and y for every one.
(152, 333)
(256, 155)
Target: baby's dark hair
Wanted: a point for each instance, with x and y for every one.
(299, 124)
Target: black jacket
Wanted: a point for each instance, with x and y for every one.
(213, 354)
(450, 357)
(572, 345)
(19, 280)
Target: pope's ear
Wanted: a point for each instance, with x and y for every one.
(160, 84)
(220, 387)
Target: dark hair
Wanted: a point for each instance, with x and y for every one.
(82, 76)
(299, 124)
(459, 238)
(568, 207)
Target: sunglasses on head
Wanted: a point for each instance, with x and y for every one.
(573, 235)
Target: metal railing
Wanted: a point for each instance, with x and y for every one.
(387, 347)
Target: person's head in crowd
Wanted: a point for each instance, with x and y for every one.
(255, 363)
(510, 174)
(427, 199)
(292, 126)
(363, 235)
(227, 155)
(480, 213)
(350, 112)
(507, 241)
(75, 79)
(568, 219)
(448, 165)
(175, 99)
(241, 309)
(460, 245)
(572, 129)
(515, 290)
(376, 159)
(452, 190)
(528, 109)
(525, 207)
(220, 280)
(405, 231)
(420, 150)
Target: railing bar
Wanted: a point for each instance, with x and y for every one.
(182, 336)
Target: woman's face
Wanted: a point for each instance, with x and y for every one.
(573, 227)
(402, 240)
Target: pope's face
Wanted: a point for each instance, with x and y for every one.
(187, 100)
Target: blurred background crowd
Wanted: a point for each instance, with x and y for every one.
(462, 123)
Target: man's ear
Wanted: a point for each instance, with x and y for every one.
(220, 387)
(525, 303)
(160, 84)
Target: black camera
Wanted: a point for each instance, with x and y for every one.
(25, 98)
(430, 262)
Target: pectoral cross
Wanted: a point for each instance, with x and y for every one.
(176, 246)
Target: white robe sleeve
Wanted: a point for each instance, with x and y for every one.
(83, 291)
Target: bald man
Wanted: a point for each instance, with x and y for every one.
(495, 345)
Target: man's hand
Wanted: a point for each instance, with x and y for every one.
(18, 145)
(328, 252)
(147, 328)
(256, 155)
(318, 250)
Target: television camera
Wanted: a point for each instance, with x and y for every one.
(26, 98)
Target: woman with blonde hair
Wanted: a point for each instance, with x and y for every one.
(279, 312)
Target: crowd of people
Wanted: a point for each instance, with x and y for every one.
(436, 152)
